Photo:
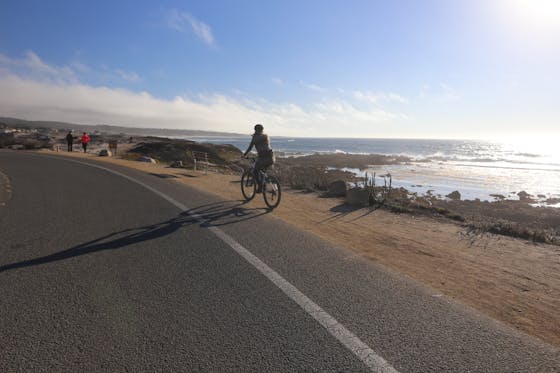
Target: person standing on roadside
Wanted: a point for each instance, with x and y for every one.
(69, 140)
(85, 140)
(265, 157)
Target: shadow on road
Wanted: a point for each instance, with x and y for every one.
(210, 215)
(225, 213)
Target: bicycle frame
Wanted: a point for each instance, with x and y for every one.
(271, 196)
(262, 173)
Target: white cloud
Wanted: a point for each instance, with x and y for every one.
(33, 67)
(130, 76)
(80, 103)
(379, 97)
(80, 67)
(183, 21)
(26, 96)
(278, 81)
(312, 87)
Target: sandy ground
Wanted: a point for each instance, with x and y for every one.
(511, 280)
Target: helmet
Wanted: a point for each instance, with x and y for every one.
(259, 127)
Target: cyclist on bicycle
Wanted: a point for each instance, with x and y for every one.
(265, 157)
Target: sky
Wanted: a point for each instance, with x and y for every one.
(472, 69)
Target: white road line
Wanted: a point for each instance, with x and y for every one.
(375, 362)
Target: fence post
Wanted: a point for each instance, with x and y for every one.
(206, 160)
(113, 147)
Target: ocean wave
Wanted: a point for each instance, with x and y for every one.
(487, 160)
(528, 155)
(501, 167)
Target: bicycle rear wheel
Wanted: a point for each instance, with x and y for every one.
(272, 192)
(248, 185)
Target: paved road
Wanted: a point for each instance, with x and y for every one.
(113, 272)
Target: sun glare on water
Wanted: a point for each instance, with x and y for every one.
(546, 148)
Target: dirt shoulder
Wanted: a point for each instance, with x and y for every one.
(511, 280)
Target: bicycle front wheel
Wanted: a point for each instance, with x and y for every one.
(248, 185)
(272, 192)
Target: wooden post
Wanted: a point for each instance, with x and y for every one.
(206, 160)
(199, 157)
(113, 147)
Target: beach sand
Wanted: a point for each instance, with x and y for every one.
(511, 280)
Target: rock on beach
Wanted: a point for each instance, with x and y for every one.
(455, 195)
(337, 188)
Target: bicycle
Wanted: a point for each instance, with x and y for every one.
(270, 186)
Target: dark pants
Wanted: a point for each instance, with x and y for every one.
(69, 146)
(84, 145)
(261, 164)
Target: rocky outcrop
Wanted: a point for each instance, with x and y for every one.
(337, 188)
(454, 196)
(524, 196)
(146, 159)
(171, 150)
(357, 197)
(26, 140)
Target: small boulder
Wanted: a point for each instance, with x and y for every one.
(455, 195)
(357, 197)
(146, 159)
(177, 164)
(105, 153)
(337, 188)
(524, 196)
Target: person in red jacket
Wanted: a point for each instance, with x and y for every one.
(85, 140)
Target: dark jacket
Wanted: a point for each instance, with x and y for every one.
(261, 142)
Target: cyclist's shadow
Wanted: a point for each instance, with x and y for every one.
(225, 212)
(213, 214)
(113, 241)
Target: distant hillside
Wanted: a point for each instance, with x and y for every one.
(104, 128)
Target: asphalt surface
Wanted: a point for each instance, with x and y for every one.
(99, 273)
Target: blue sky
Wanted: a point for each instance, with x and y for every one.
(429, 69)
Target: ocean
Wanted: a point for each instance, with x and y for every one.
(477, 169)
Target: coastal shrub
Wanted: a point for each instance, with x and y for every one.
(456, 217)
(303, 178)
(441, 210)
(399, 209)
(511, 229)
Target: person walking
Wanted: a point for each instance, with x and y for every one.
(69, 140)
(265, 156)
(85, 141)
